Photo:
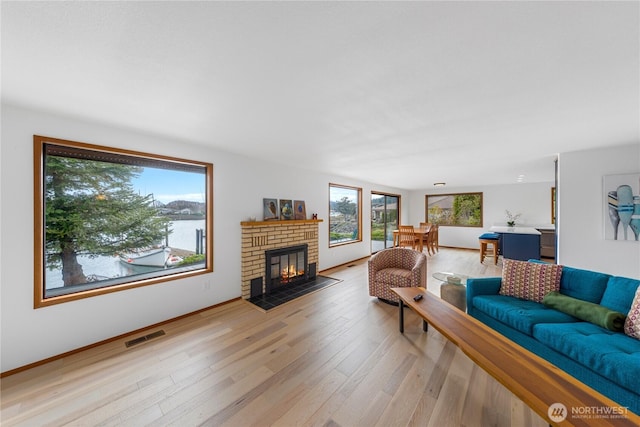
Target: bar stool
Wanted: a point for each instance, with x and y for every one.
(489, 239)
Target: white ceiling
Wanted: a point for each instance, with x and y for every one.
(397, 93)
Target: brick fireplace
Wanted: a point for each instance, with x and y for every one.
(262, 236)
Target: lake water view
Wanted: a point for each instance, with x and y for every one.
(183, 237)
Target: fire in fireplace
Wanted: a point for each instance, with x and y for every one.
(286, 266)
(290, 273)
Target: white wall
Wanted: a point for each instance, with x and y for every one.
(29, 335)
(582, 213)
(533, 201)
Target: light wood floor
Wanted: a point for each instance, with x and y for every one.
(332, 358)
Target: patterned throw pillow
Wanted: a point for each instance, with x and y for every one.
(632, 324)
(528, 280)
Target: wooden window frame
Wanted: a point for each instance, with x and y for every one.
(72, 149)
(442, 224)
(358, 238)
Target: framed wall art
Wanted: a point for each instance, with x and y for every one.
(621, 202)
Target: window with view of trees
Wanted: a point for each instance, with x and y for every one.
(344, 214)
(111, 219)
(461, 209)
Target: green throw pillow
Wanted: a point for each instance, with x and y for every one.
(584, 310)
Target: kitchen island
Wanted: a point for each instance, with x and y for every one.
(521, 243)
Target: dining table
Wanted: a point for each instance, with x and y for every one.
(420, 233)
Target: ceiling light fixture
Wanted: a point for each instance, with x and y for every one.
(439, 184)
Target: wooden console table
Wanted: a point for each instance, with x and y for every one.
(531, 378)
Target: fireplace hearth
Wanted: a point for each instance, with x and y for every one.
(285, 294)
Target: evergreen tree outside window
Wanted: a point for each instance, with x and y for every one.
(345, 214)
(110, 219)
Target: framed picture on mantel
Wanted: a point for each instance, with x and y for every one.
(270, 208)
(299, 210)
(286, 209)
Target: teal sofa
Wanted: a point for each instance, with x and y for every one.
(607, 361)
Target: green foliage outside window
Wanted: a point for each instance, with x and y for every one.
(462, 209)
(91, 209)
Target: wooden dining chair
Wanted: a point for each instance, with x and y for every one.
(432, 242)
(407, 236)
(425, 228)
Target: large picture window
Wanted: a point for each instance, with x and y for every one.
(110, 219)
(461, 209)
(345, 218)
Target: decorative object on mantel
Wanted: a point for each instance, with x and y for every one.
(314, 216)
(299, 210)
(278, 223)
(286, 209)
(271, 211)
(622, 205)
(512, 218)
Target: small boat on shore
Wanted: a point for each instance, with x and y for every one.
(173, 260)
(153, 258)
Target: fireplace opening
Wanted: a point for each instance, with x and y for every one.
(286, 266)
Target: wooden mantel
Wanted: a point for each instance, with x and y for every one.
(278, 222)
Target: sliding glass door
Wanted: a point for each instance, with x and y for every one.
(384, 219)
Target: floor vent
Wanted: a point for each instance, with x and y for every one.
(144, 338)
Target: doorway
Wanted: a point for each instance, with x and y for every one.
(384, 219)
